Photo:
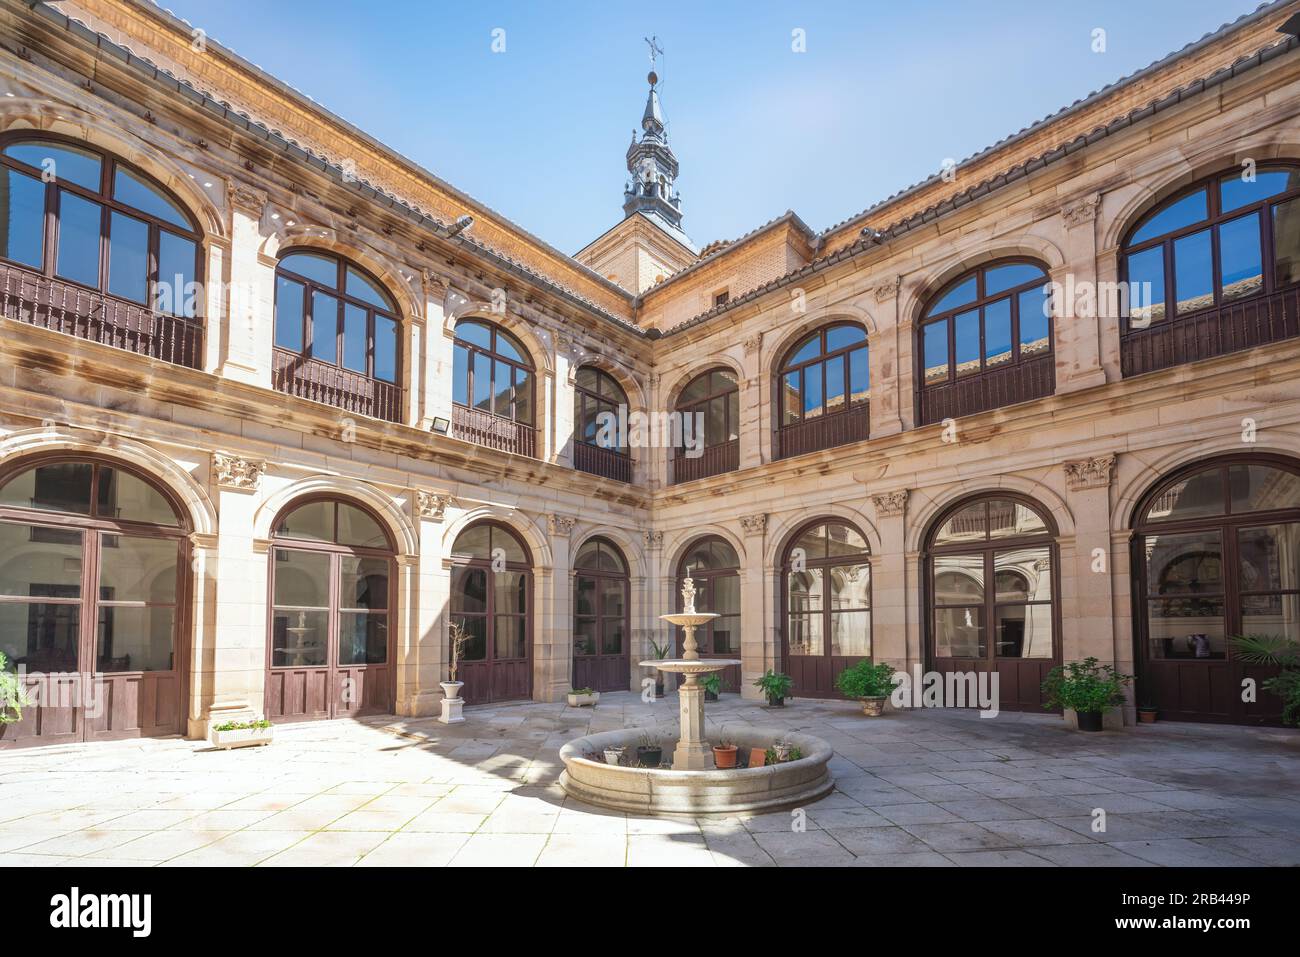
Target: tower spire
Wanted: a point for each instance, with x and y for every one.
(651, 163)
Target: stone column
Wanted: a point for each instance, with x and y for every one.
(565, 360)
(419, 691)
(554, 665)
(659, 596)
(755, 407)
(435, 393)
(203, 596)
(245, 352)
(884, 365)
(889, 584)
(1076, 327)
(758, 640)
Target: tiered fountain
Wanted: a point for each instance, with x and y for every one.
(693, 785)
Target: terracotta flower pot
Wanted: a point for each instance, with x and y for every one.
(874, 707)
(724, 757)
(1147, 715)
(757, 757)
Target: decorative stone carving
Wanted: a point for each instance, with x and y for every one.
(1081, 211)
(231, 471)
(1090, 473)
(431, 505)
(754, 524)
(246, 197)
(886, 291)
(561, 525)
(890, 504)
(654, 539)
(753, 343)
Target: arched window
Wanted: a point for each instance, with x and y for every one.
(493, 389)
(1197, 264)
(600, 445)
(331, 650)
(714, 566)
(827, 594)
(119, 258)
(491, 588)
(1217, 554)
(823, 386)
(600, 617)
(337, 335)
(985, 341)
(992, 596)
(708, 410)
(93, 572)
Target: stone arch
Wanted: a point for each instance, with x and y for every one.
(684, 539)
(808, 324)
(780, 535)
(682, 379)
(175, 477)
(631, 548)
(532, 533)
(923, 508)
(622, 375)
(536, 342)
(388, 273)
(405, 539)
(19, 115)
(916, 295)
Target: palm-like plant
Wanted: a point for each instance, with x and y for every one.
(1279, 651)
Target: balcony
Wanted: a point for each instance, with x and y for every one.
(88, 314)
(607, 463)
(823, 432)
(1011, 384)
(493, 431)
(715, 460)
(331, 385)
(1212, 332)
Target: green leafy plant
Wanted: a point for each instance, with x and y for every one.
(775, 684)
(1084, 686)
(660, 652)
(242, 725)
(866, 680)
(781, 752)
(13, 697)
(1281, 652)
(583, 691)
(712, 683)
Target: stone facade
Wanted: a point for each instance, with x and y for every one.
(235, 452)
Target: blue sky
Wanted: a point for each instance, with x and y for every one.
(883, 94)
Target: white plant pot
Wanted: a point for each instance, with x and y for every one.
(613, 756)
(451, 689)
(583, 700)
(239, 737)
(452, 702)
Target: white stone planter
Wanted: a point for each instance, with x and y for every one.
(239, 738)
(452, 702)
(583, 700)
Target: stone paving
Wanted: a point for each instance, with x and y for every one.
(928, 788)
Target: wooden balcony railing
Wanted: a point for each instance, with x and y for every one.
(29, 297)
(484, 428)
(1031, 379)
(1213, 332)
(606, 463)
(715, 460)
(823, 432)
(341, 388)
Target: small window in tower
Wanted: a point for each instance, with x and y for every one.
(721, 298)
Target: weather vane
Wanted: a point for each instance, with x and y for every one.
(655, 49)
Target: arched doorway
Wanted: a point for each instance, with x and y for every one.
(1216, 553)
(714, 566)
(491, 598)
(94, 574)
(827, 606)
(331, 650)
(991, 596)
(600, 618)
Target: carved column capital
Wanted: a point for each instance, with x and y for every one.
(654, 539)
(754, 524)
(560, 525)
(890, 504)
(231, 471)
(245, 197)
(1081, 211)
(1095, 472)
(431, 505)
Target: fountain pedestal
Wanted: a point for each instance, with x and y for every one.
(693, 752)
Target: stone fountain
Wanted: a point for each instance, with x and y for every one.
(693, 752)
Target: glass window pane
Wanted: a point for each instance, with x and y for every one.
(1270, 615)
(959, 633)
(67, 163)
(324, 326)
(859, 377)
(385, 349)
(131, 190)
(509, 639)
(302, 579)
(1235, 191)
(126, 498)
(363, 638)
(354, 338)
(1268, 558)
(1190, 209)
(835, 385)
(584, 596)
(722, 594)
(808, 349)
(360, 287)
(475, 333)
(482, 382)
(997, 333)
(936, 352)
(612, 592)
(812, 391)
(288, 314)
(696, 389)
(460, 375)
(523, 397)
(476, 648)
(510, 593)
(474, 542)
(363, 582)
(589, 379)
(1000, 278)
(469, 590)
(811, 544)
(62, 487)
(135, 638)
(22, 219)
(968, 524)
(1256, 488)
(313, 522)
(958, 579)
(967, 331)
(1240, 264)
(1146, 286)
(806, 635)
(721, 380)
(851, 634)
(1022, 574)
(177, 294)
(508, 348)
(356, 527)
(840, 337)
(612, 635)
(128, 258)
(1193, 273)
(722, 555)
(958, 295)
(1187, 629)
(503, 385)
(39, 562)
(41, 636)
(584, 636)
(1196, 496)
(850, 587)
(1009, 519)
(791, 399)
(1023, 631)
(843, 539)
(79, 229)
(299, 637)
(1286, 241)
(318, 269)
(1035, 333)
(1189, 564)
(804, 592)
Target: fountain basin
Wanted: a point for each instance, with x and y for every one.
(690, 666)
(664, 791)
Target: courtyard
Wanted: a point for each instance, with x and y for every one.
(915, 788)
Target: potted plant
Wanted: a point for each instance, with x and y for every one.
(1086, 687)
(869, 683)
(240, 734)
(614, 755)
(724, 755)
(1147, 711)
(1283, 653)
(659, 653)
(452, 703)
(781, 752)
(649, 752)
(712, 685)
(776, 687)
(13, 697)
(583, 698)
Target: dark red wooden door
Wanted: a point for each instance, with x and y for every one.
(600, 632)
